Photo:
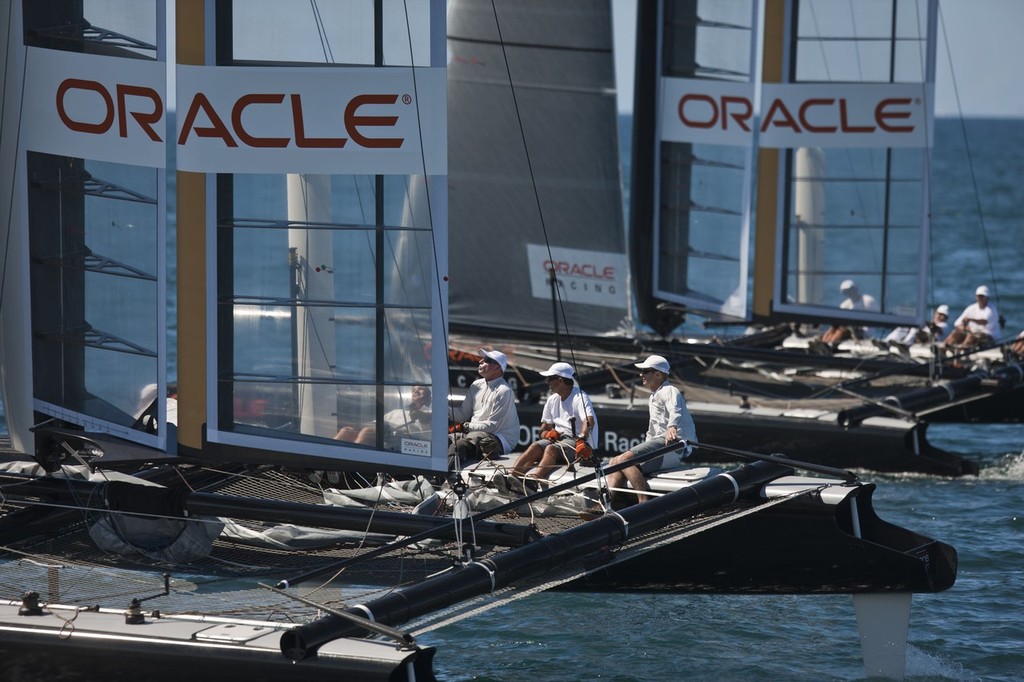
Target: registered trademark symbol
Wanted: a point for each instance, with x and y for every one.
(407, 99)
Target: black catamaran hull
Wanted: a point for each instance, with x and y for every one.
(757, 554)
(886, 448)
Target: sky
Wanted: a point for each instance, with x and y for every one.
(981, 38)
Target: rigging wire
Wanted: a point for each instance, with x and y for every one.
(533, 184)
(970, 160)
(321, 30)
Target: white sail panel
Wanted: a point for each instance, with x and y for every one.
(327, 254)
(693, 189)
(88, 205)
(858, 212)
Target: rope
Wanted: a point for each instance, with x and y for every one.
(970, 159)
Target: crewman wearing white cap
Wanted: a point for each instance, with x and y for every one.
(486, 424)
(854, 300)
(930, 332)
(978, 324)
(568, 427)
(670, 422)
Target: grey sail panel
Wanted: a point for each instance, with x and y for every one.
(533, 168)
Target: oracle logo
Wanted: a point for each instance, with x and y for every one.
(151, 113)
(145, 106)
(589, 270)
(354, 123)
(817, 115)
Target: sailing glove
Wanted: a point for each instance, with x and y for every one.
(584, 453)
(551, 435)
(458, 427)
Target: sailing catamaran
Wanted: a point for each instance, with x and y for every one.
(839, 151)
(311, 208)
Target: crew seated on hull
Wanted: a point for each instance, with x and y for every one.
(853, 299)
(1016, 349)
(410, 420)
(568, 427)
(978, 325)
(486, 424)
(670, 422)
(930, 332)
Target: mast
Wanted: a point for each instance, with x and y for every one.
(768, 160)
(309, 204)
(190, 39)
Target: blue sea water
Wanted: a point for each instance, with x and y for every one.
(974, 631)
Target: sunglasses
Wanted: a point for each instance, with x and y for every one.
(647, 371)
(490, 361)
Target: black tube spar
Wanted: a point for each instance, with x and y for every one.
(546, 554)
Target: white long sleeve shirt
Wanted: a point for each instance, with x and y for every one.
(490, 406)
(668, 408)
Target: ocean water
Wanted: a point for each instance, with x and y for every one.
(973, 631)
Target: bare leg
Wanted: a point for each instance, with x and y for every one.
(955, 338)
(346, 433)
(637, 479)
(618, 479)
(633, 474)
(367, 436)
(553, 458)
(526, 460)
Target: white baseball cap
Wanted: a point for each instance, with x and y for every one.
(981, 291)
(943, 310)
(497, 356)
(654, 362)
(559, 369)
(847, 284)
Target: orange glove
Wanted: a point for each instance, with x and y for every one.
(551, 435)
(585, 454)
(459, 427)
